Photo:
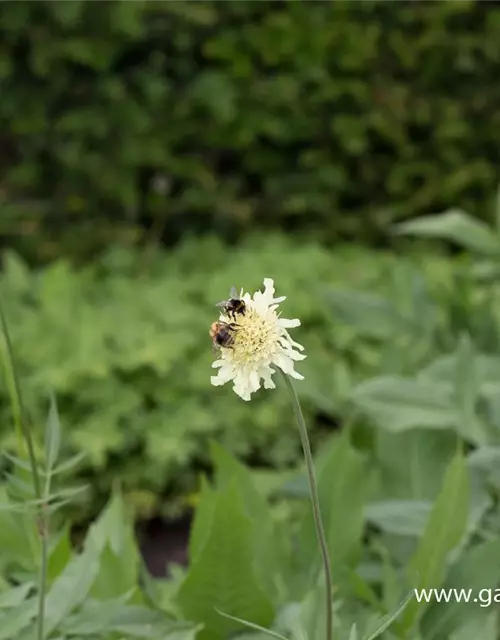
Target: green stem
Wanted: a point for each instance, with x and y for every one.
(23, 428)
(315, 502)
(42, 579)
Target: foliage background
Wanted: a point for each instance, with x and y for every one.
(144, 121)
(154, 154)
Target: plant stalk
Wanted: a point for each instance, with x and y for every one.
(23, 429)
(315, 502)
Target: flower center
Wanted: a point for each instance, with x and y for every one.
(254, 337)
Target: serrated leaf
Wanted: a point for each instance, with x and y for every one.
(455, 226)
(113, 535)
(223, 574)
(271, 550)
(71, 587)
(202, 521)
(445, 528)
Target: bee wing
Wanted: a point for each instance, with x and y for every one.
(221, 304)
(234, 293)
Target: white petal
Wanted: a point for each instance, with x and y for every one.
(289, 324)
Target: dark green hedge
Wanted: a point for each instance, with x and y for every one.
(133, 120)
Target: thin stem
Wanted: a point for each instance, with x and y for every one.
(17, 405)
(42, 578)
(23, 428)
(315, 502)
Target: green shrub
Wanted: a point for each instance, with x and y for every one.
(174, 117)
(124, 345)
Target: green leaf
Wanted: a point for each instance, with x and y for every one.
(478, 569)
(412, 463)
(223, 574)
(387, 620)
(16, 620)
(60, 554)
(368, 314)
(353, 634)
(343, 481)
(71, 587)
(398, 404)
(52, 435)
(455, 226)
(251, 625)
(14, 597)
(272, 551)
(445, 528)
(402, 517)
(116, 617)
(202, 521)
(113, 535)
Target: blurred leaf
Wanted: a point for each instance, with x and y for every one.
(477, 569)
(399, 404)
(115, 617)
(455, 226)
(387, 620)
(343, 481)
(71, 587)
(13, 621)
(251, 625)
(444, 530)
(15, 596)
(403, 517)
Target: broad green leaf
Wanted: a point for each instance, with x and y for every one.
(251, 625)
(478, 569)
(272, 551)
(388, 619)
(485, 628)
(353, 634)
(455, 226)
(59, 555)
(202, 521)
(445, 528)
(52, 436)
(113, 535)
(223, 574)
(343, 481)
(15, 596)
(412, 463)
(403, 517)
(368, 314)
(116, 617)
(398, 404)
(71, 587)
(13, 621)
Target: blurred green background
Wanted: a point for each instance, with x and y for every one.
(153, 154)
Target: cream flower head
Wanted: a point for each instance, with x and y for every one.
(259, 340)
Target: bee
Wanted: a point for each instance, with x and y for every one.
(222, 334)
(235, 305)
